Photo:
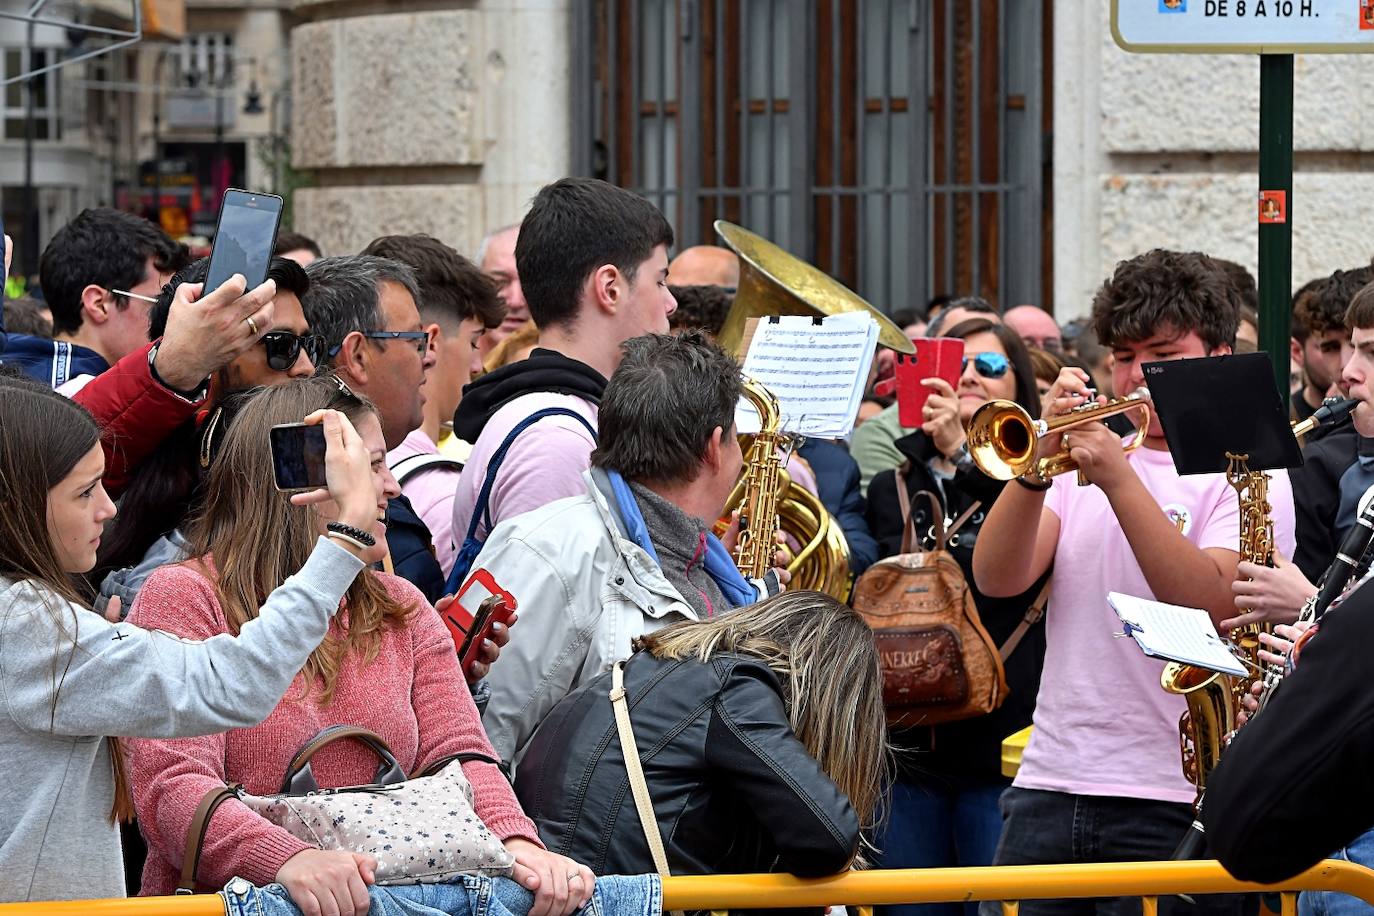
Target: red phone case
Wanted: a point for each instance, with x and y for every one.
(459, 619)
(940, 357)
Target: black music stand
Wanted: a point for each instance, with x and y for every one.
(1220, 409)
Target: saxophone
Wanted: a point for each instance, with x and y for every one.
(761, 486)
(768, 501)
(1214, 699)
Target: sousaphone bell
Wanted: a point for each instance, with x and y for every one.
(773, 282)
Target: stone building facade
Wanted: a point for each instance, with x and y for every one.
(1161, 151)
(417, 115)
(414, 118)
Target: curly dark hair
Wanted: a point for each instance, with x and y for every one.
(703, 307)
(1179, 290)
(1321, 305)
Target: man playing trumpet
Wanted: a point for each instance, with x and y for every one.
(1101, 779)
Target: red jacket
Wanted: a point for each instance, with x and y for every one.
(135, 412)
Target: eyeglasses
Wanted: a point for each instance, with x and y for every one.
(139, 296)
(421, 339)
(284, 348)
(988, 365)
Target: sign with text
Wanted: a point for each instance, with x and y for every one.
(1244, 26)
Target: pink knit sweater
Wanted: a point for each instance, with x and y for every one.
(412, 695)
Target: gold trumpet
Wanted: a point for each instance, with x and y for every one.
(1002, 436)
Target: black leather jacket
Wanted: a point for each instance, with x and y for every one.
(734, 789)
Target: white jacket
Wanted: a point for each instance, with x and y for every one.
(583, 591)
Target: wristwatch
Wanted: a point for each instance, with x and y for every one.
(195, 396)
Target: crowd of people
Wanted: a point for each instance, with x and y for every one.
(553, 419)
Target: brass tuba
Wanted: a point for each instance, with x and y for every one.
(773, 282)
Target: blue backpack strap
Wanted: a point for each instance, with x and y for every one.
(472, 545)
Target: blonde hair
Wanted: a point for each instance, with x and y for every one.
(513, 347)
(242, 503)
(825, 656)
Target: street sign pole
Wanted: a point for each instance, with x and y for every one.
(1275, 30)
(1276, 236)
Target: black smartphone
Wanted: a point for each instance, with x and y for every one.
(244, 237)
(298, 456)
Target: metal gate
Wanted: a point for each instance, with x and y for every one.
(796, 119)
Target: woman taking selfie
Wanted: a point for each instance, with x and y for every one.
(943, 804)
(70, 681)
(760, 733)
(388, 665)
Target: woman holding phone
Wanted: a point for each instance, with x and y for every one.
(73, 685)
(944, 800)
(387, 665)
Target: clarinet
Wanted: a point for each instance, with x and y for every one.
(1349, 558)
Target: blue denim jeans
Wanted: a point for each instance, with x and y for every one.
(939, 824)
(469, 895)
(1328, 903)
(1041, 828)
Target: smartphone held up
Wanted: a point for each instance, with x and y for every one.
(245, 236)
(298, 451)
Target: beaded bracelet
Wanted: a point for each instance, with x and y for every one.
(340, 536)
(362, 538)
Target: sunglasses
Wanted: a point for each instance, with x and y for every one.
(988, 365)
(284, 348)
(421, 339)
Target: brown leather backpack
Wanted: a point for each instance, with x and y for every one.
(939, 663)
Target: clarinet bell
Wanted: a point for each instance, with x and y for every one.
(1192, 846)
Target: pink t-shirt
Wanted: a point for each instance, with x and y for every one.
(544, 463)
(1103, 724)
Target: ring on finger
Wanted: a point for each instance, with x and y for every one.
(252, 325)
(574, 876)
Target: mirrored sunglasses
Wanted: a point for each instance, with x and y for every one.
(988, 365)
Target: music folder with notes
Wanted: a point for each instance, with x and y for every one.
(1174, 633)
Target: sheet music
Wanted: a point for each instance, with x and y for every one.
(1179, 634)
(817, 371)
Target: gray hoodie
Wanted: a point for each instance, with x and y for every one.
(56, 838)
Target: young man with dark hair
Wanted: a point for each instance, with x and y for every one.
(1318, 331)
(634, 551)
(458, 304)
(287, 348)
(593, 262)
(99, 275)
(1102, 779)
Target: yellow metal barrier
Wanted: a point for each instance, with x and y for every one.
(1011, 883)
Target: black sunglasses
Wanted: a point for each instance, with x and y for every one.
(284, 348)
